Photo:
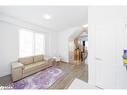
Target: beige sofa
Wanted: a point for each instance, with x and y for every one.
(29, 65)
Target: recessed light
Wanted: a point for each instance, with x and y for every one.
(86, 25)
(47, 16)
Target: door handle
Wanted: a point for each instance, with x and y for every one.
(98, 59)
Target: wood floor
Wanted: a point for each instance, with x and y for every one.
(71, 72)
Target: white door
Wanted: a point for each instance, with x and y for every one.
(106, 54)
(107, 24)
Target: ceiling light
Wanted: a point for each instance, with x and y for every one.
(86, 25)
(47, 16)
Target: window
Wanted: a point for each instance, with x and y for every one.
(31, 43)
(39, 44)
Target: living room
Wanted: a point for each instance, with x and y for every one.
(43, 35)
(60, 47)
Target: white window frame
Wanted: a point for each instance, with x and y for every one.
(34, 39)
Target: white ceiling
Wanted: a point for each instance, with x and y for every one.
(63, 17)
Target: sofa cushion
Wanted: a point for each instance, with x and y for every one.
(34, 66)
(38, 58)
(26, 60)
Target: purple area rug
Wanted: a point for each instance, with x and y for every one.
(41, 80)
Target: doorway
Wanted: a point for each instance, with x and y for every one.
(78, 47)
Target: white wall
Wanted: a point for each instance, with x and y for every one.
(106, 43)
(8, 46)
(9, 42)
(63, 42)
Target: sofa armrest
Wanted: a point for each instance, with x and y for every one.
(16, 70)
(51, 61)
(17, 65)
